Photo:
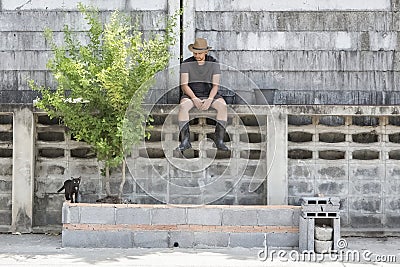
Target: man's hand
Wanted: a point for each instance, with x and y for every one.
(206, 104)
(197, 102)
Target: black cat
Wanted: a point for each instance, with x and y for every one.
(71, 187)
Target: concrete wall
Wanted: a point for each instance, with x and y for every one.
(314, 52)
(31, 177)
(6, 169)
(352, 157)
(24, 51)
(351, 152)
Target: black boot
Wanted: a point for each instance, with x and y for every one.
(219, 136)
(185, 136)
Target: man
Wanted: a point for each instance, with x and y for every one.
(200, 76)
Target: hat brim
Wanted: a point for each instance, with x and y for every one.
(193, 49)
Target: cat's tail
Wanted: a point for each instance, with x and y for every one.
(61, 189)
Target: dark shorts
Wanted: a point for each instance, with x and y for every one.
(217, 96)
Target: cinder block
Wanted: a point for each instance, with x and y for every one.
(211, 239)
(204, 216)
(97, 239)
(133, 216)
(336, 232)
(282, 217)
(306, 234)
(367, 172)
(324, 208)
(303, 244)
(283, 240)
(239, 217)
(169, 215)
(296, 217)
(177, 199)
(322, 214)
(366, 188)
(246, 240)
(65, 214)
(101, 215)
(365, 204)
(181, 239)
(70, 214)
(310, 234)
(335, 187)
(358, 220)
(151, 239)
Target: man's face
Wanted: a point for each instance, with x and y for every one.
(200, 56)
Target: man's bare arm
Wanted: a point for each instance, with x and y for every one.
(215, 85)
(185, 85)
(188, 91)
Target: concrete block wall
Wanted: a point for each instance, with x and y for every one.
(202, 175)
(186, 226)
(6, 166)
(314, 52)
(351, 157)
(59, 158)
(226, 180)
(330, 150)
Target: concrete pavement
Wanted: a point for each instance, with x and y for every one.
(46, 250)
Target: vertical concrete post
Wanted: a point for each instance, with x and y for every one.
(277, 183)
(303, 233)
(23, 171)
(175, 50)
(310, 234)
(188, 27)
(336, 233)
(306, 234)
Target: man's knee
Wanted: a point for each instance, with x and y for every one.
(220, 105)
(186, 105)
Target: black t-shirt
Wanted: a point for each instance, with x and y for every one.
(200, 76)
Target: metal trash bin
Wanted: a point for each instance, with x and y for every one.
(321, 214)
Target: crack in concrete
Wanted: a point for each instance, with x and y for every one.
(21, 6)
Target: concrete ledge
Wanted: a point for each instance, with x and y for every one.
(189, 226)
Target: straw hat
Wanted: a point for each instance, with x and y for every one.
(200, 45)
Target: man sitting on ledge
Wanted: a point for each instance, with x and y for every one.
(200, 75)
